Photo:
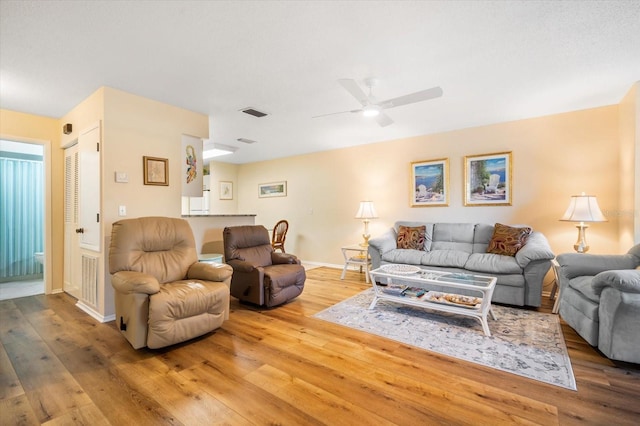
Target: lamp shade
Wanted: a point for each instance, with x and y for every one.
(366, 210)
(583, 208)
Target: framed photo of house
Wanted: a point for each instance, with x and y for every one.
(273, 189)
(487, 179)
(156, 171)
(226, 190)
(429, 183)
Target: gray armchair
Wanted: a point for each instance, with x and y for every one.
(260, 275)
(600, 299)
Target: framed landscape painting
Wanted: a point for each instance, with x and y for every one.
(273, 189)
(487, 179)
(429, 183)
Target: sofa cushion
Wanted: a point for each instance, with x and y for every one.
(407, 256)
(411, 237)
(493, 263)
(453, 236)
(584, 286)
(446, 258)
(481, 237)
(507, 240)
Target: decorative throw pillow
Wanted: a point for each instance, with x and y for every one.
(411, 237)
(507, 240)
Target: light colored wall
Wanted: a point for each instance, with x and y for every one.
(22, 127)
(228, 173)
(137, 127)
(629, 209)
(554, 157)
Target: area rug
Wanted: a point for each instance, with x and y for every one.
(522, 342)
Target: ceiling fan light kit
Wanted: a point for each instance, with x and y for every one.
(372, 108)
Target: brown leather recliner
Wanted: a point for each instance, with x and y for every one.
(163, 295)
(260, 276)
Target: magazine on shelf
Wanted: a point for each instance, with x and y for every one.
(394, 289)
(414, 292)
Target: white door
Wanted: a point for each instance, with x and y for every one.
(89, 188)
(81, 209)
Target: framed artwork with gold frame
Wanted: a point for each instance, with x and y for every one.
(156, 171)
(429, 183)
(487, 179)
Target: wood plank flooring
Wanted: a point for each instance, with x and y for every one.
(58, 366)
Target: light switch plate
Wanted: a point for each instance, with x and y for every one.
(121, 177)
(122, 211)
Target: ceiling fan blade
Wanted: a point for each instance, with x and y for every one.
(424, 95)
(335, 113)
(383, 119)
(352, 87)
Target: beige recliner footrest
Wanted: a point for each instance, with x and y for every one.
(185, 309)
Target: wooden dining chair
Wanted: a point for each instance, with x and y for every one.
(279, 234)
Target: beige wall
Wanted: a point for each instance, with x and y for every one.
(22, 127)
(227, 173)
(628, 213)
(554, 157)
(136, 127)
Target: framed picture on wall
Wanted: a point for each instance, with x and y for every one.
(226, 190)
(156, 171)
(429, 183)
(273, 189)
(487, 179)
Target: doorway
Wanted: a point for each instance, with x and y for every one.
(22, 228)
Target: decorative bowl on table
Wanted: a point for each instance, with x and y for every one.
(400, 269)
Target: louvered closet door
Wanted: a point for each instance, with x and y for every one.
(72, 262)
(82, 217)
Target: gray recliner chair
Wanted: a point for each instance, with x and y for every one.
(600, 299)
(260, 275)
(163, 295)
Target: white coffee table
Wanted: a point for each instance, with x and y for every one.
(436, 283)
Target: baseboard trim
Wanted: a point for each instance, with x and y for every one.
(319, 264)
(93, 313)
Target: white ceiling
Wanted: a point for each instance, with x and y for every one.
(495, 60)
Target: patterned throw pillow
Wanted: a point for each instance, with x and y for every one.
(411, 237)
(507, 240)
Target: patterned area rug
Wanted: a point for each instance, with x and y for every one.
(522, 342)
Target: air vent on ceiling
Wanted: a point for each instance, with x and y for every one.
(254, 112)
(245, 140)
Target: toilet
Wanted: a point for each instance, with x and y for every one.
(39, 256)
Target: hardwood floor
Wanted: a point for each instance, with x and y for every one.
(59, 366)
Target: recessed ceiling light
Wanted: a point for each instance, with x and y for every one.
(218, 150)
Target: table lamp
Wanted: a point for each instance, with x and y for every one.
(366, 211)
(583, 208)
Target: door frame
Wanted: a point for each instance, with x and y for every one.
(47, 176)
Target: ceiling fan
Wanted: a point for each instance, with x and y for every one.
(372, 108)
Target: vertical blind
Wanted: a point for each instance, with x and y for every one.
(21, 217)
